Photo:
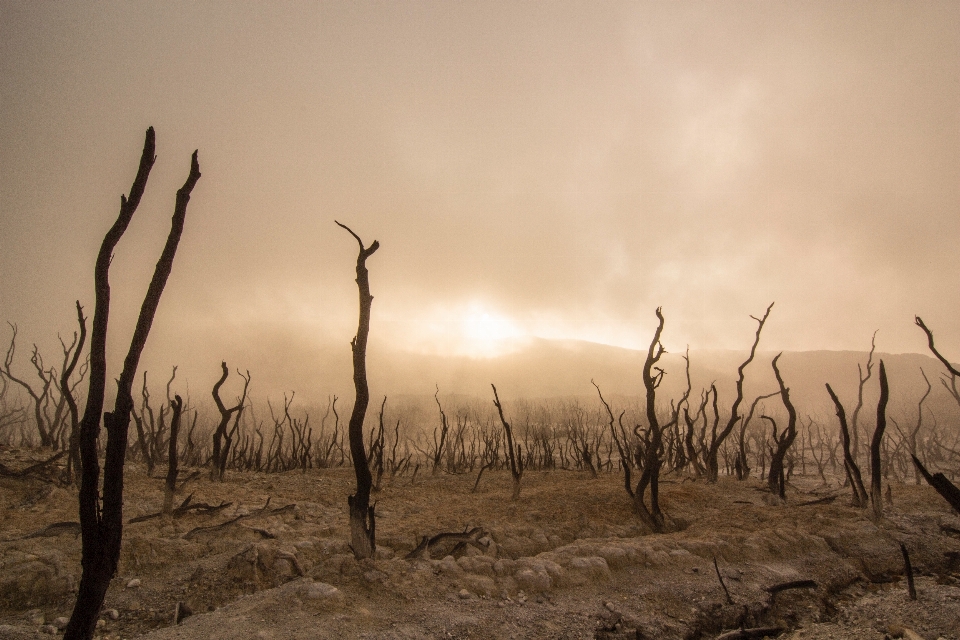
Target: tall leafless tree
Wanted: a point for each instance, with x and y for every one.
(362, 514)
(876, 496)
(101, 520)
(222, 438)
(854, 476)
(712, 453)
(782, 441)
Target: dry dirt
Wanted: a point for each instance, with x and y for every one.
(569, 559)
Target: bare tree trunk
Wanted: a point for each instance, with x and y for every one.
(513, 451)
(101, 522)
(876, 495)
(172, 459)
(362, 515)
(712, 465)
(73, 458)
(849, 463)
(776, 478)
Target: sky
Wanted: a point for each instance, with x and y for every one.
(531, 170)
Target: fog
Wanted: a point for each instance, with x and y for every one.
(532, 171)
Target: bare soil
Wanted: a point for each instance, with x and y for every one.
(569, 559)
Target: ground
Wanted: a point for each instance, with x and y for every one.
(569, 559)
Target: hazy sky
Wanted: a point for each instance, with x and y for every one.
(551, 169)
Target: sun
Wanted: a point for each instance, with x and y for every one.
(487, 333)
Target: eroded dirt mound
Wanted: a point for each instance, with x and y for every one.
(569, 559)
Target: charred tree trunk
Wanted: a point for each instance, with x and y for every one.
(876, 496)
(849, 463)
(776, 478)
(73, 457)
(652, 456)
(513, 451)
(172, 460)
(101, 521)
(222, 438)
(712, 453)
(362, 516)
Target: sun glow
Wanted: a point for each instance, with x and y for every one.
(471, 329)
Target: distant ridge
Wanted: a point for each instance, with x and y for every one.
(554, 368)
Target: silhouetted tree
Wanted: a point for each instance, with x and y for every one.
(712, 464)
(362, 515)
(221, 437)
(101, 520)
(513, 450)
(951, 387)
(876, 496)
(782, 441)
(849, 462)
(176, 405)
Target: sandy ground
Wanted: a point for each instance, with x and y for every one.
(569, 559)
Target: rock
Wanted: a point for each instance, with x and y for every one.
(48, 628)
(113, 614)
(480, 585)
(61, 623)
(533, 580)
(320, 595)
(588, 569)
(449, 566)
(35, 617)
(464, 594)
(133, 584)
(28, 579)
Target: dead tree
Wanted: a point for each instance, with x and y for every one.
(876, 496)
(362, 515)
(911, 437)
(783, 441)
(653, 440)
(742, 466)
(513, 451)
(854, 420)
(951, 387)
(101, 520)
(73, 447)
(849, 462)
(947, 490)
(221, 437)
(172, 460)
(444, 427)
(712, 465)
(40, 398)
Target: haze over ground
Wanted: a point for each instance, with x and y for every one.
(531, 170)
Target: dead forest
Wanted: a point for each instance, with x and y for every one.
(854, 454)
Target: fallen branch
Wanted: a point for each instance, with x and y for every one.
(54, 530)
(720, 578)
(10, 473)
(751, 634)
(825, 500)
(938, 481)
(795, 584)
(470, 537)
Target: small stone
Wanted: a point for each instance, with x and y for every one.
(464, 594)
(35, 617)
(113, 614)
(133, 584)
(610, 606)
(101, 623)
(48, 628)
(61, 622)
